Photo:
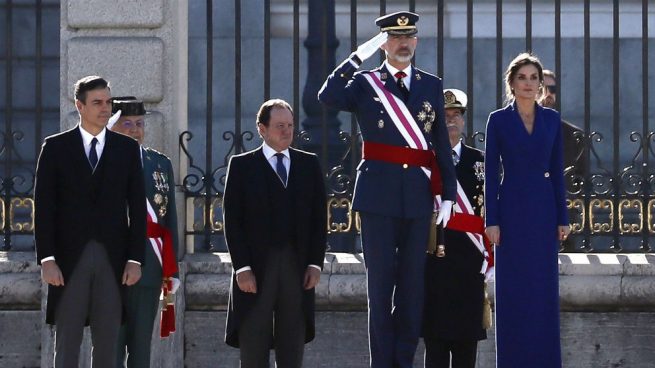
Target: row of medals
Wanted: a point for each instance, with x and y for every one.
(161, 185)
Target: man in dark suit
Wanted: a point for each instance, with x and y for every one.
(399, 109)
(572, 136)
(89, 226)
(275, 229)
(454, 277)
(573, 145)
(160, 252)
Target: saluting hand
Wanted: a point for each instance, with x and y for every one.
(370, 47)
(51, 274)
(247, 282)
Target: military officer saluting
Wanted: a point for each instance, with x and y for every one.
(454, 277)
(160, 266)
(399, 109)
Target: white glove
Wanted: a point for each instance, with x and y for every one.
(370, 47)
(490, 275)
(176, 285)
(445, 211)
(113, 119)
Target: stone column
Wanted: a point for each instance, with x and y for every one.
(141, 48)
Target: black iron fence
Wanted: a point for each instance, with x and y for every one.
(29, 108)
(243, 52)
(611, 184)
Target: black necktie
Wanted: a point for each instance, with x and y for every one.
(93, 155)
(280, 169)
(401, 85)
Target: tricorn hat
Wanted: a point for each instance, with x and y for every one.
(398, 23)
(129, 106)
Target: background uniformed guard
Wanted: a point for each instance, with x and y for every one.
(144, 297)
(454, 284)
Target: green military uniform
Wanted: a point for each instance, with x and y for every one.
(143, 298)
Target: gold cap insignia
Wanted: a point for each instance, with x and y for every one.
(449, 97)
(455, 99)
(403, 20)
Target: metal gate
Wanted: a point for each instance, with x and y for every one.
(611, 198)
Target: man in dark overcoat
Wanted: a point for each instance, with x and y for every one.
(275, 229)
(90, 223)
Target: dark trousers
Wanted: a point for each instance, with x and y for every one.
(438, 353)
(394, 253)
(135, 337)
(277, 314)
(91, 292)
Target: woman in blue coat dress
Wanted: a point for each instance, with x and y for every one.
(525, 217)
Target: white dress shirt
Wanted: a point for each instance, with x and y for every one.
(88, 137)
(100, 146)
(408, 74)
(458, 150)
(269, 153)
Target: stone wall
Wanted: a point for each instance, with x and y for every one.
(608, 314)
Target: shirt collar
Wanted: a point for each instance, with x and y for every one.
(458, 149)
(393, 70)
(270, 152)
(87, 137)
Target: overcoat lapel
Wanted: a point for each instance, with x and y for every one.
(77, 154)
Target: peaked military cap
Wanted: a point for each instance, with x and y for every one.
(129, 106)
(454, 99)
(398, 23)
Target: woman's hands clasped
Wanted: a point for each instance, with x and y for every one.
(563, 232)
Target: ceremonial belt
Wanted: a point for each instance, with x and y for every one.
(473, 224)
(168, 265)
(162, 240)
(403, 155)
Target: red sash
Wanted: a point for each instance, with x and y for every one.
(402, 155)
(156, 232)
(472, 224)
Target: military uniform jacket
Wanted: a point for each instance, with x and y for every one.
(454, 285)
(385, 188)
(160, 192)
(75, 204)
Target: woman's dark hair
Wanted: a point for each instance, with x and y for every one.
(520, 61)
